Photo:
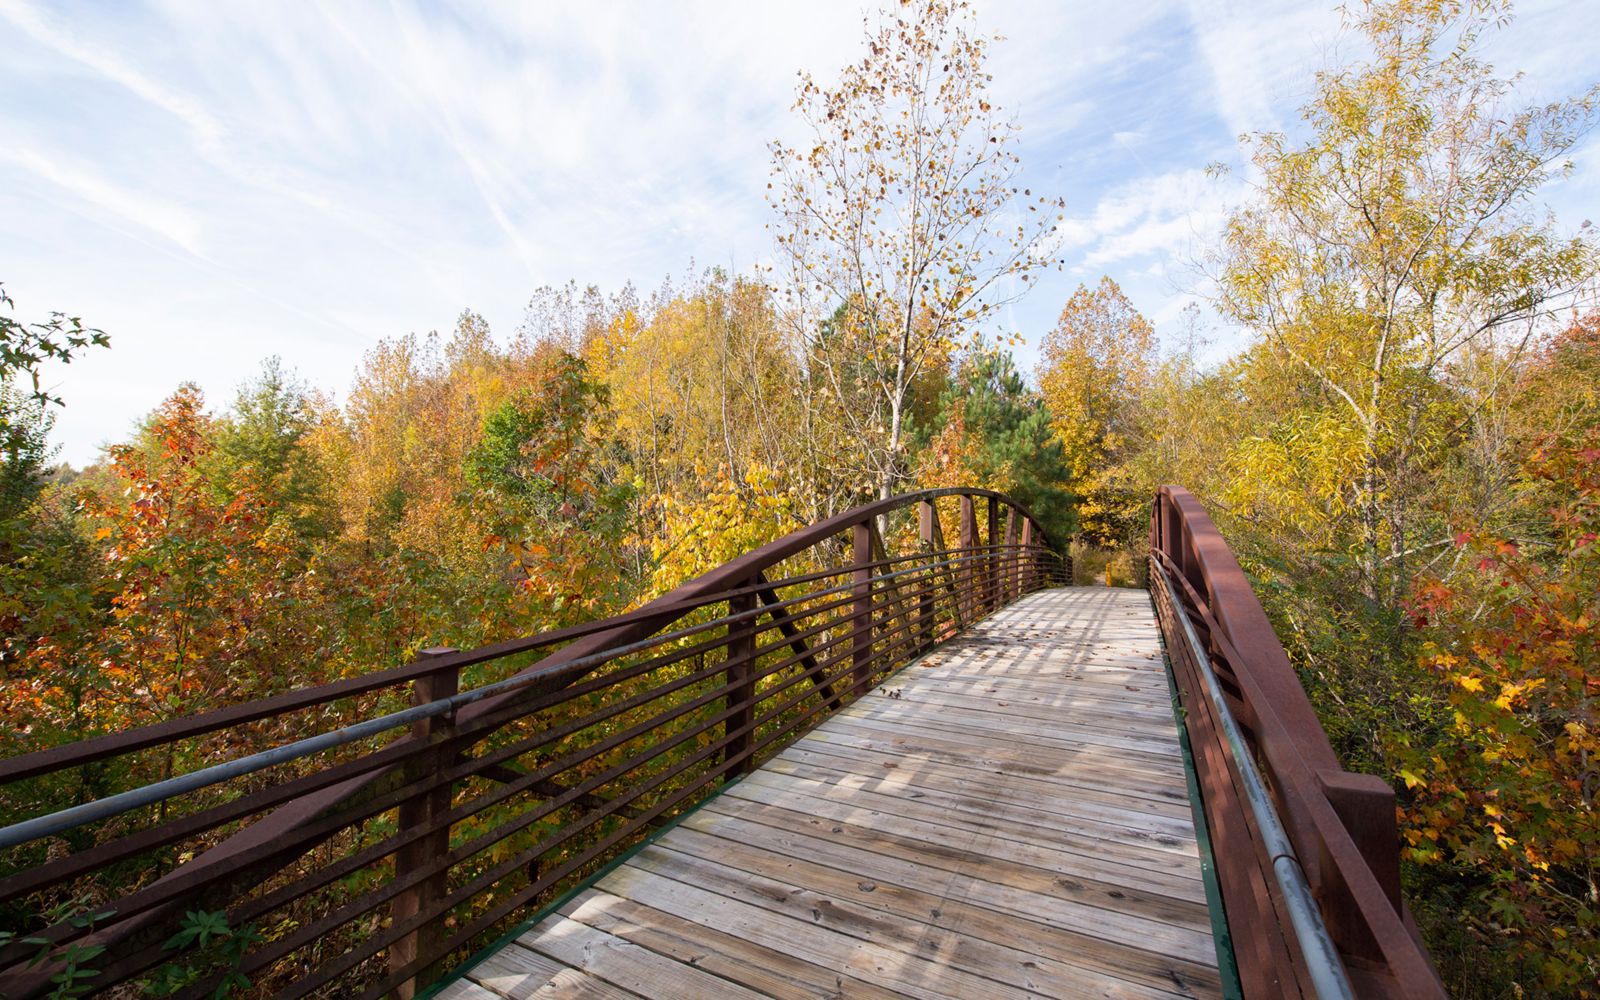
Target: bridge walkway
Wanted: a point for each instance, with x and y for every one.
(1008, 817)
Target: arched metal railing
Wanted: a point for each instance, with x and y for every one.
(370, 831)
(1307, 853)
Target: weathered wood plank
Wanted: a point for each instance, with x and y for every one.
(858, 957)
(1110, 940)
(465, 989)
(519, 974)
(1093, 880)
(1024, 772)
(1012, 759)
(768, 970)
(1087, 761)
(1015, 727)
(975, 814)
(625, 964)
(936, 786)
(936, 846)
(856, 912)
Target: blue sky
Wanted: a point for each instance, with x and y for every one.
(213, 183)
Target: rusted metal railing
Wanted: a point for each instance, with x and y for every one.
(1341, 825)
(374, 830)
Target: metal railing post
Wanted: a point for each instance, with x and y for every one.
(861, 612)
(1013, 565)
(969, 555)
(428, 851)
(991, 576)
(1030, 580)
(927, 520)
(1365, 804)
(740, 677)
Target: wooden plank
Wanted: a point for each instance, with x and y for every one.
(1101, 934)
(1047, 671)
(1032, 776)
(517, 973)
(1056, 733)
(936, 846)
(625, 964)
(1014, 821)
(1086, 760)
(464, 989)
(914, 976)
(1003, 839)
(978, 726)
(1021, 761)
(1092, 711)
(767, 970)
(997, 789)
(1090, 885)
(853, 907)
(1095, 704)
(912, 959)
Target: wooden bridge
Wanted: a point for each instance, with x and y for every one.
(858, 762)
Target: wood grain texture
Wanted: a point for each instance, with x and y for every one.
(1007, 817)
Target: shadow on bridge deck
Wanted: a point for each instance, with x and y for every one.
(1008, 817)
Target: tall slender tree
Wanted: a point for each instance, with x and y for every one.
(901, 218)
(1401, 232)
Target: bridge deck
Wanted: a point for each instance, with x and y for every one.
(1009, 818)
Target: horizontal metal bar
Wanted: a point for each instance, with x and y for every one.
(472, 766)
(889, 601)
(145, 795)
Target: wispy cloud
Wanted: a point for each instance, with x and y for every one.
(312, 177)
(105, 61)
(168, 221)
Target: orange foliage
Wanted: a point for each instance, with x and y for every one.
(1511, 794)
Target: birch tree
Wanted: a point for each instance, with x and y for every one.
(901, 223)
(1402, 232)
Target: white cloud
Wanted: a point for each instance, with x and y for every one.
(103, 60)
(168, 221)
(1262, 57)
(357, 170)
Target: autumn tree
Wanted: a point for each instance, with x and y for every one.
(205, 604)
(1094, 370)
(702, 380)
(1505, 800)
(262, 442)
(1398, 233)
(994, 432)
(900, 218)
(45, 566)
(544, 472)
(26, 347)
(1557, 390)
